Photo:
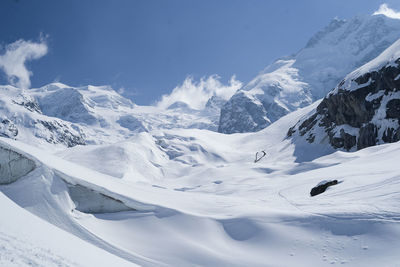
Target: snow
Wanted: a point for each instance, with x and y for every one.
(386, 58)
(157, 186)
(312, 72)
(284, 77)
(58, 115)
(26, 240)
(199, 199)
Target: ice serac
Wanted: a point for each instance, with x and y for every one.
(363, 110)
(90, 201)
(296, 81)
(13, 165)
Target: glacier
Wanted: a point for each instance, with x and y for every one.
(88, 178)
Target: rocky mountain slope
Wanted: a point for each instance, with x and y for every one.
(297, 81)
(363, 110)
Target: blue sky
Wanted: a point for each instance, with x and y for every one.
(149, 47)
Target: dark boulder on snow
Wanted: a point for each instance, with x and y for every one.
(321, 187)
(363, 110)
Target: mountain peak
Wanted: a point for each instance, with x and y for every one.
(333, 52)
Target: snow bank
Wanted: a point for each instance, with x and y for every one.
(90, 201)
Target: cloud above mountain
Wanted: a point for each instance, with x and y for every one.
(14, 57)
(384, 9)
(196, 94)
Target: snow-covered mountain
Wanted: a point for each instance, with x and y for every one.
(179, 197)
(21, 118)
(363, 110)
(88, 178)
(69, 116)
(297, 81)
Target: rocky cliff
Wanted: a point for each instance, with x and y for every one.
(363, 110)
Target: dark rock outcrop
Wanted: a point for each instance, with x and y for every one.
(28, 102)
(57, 133)
(242, 114)
(320, 188)
(362, 111)
(8, 129)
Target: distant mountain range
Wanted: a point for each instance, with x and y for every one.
(62, 115)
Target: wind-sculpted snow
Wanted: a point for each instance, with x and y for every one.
(26, 240)
(198, 198)
(294, 82)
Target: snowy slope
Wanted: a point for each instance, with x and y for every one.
(362, 110)
(26, 240)
(310, 74)
(87, 178)
(197, 198)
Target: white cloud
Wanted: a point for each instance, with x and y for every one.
(196, 94)
(12, 62)
(388, 12)
(121, 90)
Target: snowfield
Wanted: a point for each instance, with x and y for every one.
(196, 197)
(87, 178)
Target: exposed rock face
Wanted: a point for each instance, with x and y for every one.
(309, 75)
(8, 129)
(215, 103)
(27, 102)
(362, 111)
(246, 110)
(57, 132)
(13, 166)
(264, 100)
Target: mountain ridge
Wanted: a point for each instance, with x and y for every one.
(328, 56)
